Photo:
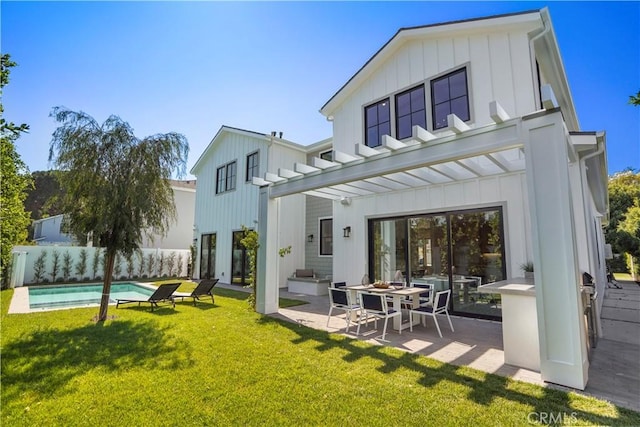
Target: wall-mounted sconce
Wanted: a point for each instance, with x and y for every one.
(310, 238)
(346, 232)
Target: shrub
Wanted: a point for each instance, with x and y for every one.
(96, 263)
(81, 266)
(55, 267)
(117, 268)
(171, 264)
(130, 264)
(39, 266)
(151, 263)
(179, 266)
(141, 265)
(66, 265)
(161, 262)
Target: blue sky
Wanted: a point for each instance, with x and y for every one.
(193, 67)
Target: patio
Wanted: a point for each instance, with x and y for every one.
(614, 373)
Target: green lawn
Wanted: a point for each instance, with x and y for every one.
(224, 365)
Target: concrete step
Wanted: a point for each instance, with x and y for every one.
(621, 303)
(619, 313)
(621, 331)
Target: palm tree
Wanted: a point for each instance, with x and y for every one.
(116, 185)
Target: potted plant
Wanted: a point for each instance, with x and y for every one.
(527, 268)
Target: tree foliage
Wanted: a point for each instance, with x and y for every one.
(43, 199)
(250, 241)
(14, 183)
(115, 185)
(623, 231)
(635, 99)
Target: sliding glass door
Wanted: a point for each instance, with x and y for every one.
(207, 256)
(476, 259)
(458, 250)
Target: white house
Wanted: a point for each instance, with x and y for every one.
(179, 232)
(226, 201)
(48, 231)
(457, 157)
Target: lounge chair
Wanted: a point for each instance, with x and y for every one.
(163, 293)
(205, 287)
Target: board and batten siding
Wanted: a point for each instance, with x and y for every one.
(498, 68)
(227, 212)
(509, 191)
(317, 208)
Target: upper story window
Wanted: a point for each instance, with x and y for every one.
(226, 178)
(410, 111)
(326, 236)
(377, 122)
(450, 95)
(253, 166)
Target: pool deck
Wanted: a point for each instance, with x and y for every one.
(20, 301)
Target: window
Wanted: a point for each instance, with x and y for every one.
(450, 95)
(253, 166)
(410, 111)
(326, 236)
(377, 122)
(220, 179)
(226, 178)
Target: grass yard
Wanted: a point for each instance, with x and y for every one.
(223, 365)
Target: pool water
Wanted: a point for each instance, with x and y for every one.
(82, 295)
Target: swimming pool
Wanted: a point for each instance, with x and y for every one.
(51, 297)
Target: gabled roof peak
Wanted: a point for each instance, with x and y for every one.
(398, 37)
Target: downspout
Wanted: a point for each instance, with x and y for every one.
(540, 35)
(583, 169)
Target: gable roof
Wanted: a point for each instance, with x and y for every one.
(539, 17)
(249, 133)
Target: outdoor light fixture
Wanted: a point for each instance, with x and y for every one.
(346, 232)
(310, 238)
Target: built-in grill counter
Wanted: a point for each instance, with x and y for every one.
(519, 321)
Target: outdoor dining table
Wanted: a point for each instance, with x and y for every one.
(398, 296)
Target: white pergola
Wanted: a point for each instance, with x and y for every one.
(422, 160)
(554, 165)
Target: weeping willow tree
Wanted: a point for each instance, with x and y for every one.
(116, 186)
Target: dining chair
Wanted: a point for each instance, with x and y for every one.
(340, 299)
(375, 305)
(425, 298)
(440, 306)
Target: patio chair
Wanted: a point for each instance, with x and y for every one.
(375, 304)
(163, 293)
(338, 284)
(340, 299)
(425, 297)
(440, 306)
(205, 287)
